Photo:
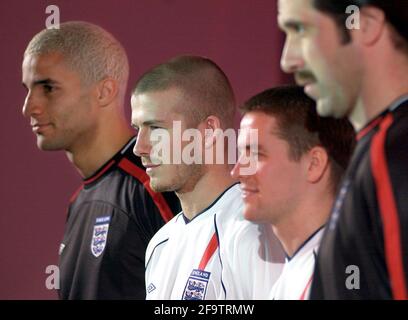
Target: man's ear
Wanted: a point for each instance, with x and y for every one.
(107, 91)
(210, 125)
(372, 25)
(317, 164)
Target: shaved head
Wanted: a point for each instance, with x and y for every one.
(87, 49)
(206, 89)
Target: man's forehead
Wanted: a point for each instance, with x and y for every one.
(163, 97)
(258, 123)
(293, 9)
(31, 69)
(249, 127)
(30, 64)
(294, 5)
(36, 66)
(142, 104)
(147, 111)
(162, 105)
(44, 60)
(257, 119)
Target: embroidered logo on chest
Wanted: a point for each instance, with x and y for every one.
(196, 286)
(100, 235)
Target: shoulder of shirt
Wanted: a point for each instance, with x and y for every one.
(231, 223)
(228, 209)
(396, 142)
(398, 131)
(162, 234)
(234, 216)
(230, 206)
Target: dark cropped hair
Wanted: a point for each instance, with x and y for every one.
(302, 128)
(202, 82)
(396, 13)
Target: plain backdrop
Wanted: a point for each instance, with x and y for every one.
(35, 186)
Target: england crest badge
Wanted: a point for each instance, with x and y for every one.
(100, 235)
(196, 286)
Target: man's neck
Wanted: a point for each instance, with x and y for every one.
(384, 83)
(295, 229)
(358, 116)
(205, 192)
(90, 157)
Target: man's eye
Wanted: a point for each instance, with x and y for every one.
(299, 28)
(154, 128)
(48, 88)
(247, 152)
(256, 153)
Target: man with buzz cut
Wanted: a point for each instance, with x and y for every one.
(360, 73)
(208, 251)
(76, 78)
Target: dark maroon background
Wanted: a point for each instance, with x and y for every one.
(240, 35)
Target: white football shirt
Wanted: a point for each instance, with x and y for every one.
(216, 255)
(295, 280)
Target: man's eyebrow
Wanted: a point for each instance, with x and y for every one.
(46, 81)
(290, 24)
(149, 123)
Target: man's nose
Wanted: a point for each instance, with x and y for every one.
(143, 145)
(32, 105)
(236, 171)
(291, 59)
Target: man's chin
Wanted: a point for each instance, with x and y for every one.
(159, 187)
(328, 107)
(324, 107)
(45, 145)
(250, 213)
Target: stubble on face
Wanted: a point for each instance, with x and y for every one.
(179, 178)
(162, 109)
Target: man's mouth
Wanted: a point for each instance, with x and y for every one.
(150, 166)
(309, 90)
(308, 82)
(304, 78)
(38, 128)
(248, 191)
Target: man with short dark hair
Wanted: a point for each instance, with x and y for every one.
(76, 78)
(300, 159)
(359, 72)
(208, 251)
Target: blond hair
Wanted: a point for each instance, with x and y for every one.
(87, 49)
